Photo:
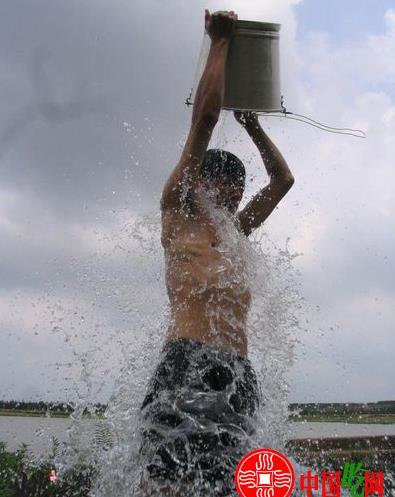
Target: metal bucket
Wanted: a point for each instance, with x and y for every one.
(252, 80)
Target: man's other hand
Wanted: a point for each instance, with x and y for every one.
(247, 119)
(220, 24)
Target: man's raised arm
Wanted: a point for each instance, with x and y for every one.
(206, 110)
(281, 178)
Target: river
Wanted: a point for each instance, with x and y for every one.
(37, 432)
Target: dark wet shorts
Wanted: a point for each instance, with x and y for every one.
(198, 417)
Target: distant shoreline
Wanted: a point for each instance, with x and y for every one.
(381, 412)
(312, 418)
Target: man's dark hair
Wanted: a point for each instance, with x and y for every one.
(220, 163)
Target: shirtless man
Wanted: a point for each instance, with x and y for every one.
(204, 393)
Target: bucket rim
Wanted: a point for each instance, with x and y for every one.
(262, 26)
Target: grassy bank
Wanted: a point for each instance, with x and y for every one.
(41, 414)
(35, 414)
(346, 418)
(23, 477)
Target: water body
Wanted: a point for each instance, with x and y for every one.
(38, 432)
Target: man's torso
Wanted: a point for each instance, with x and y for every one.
(206, 283)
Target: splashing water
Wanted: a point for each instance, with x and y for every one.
(272, 329)
(125, 279)
(274, 324)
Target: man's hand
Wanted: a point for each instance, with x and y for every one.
(220, 24)
(247, 119)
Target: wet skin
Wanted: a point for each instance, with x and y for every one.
(202, 307)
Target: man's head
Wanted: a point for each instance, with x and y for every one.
(223, 173)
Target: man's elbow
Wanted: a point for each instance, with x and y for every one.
(284, 182)
(289, 180)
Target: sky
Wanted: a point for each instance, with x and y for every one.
(93, 120)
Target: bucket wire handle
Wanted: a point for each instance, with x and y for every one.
(357, 133)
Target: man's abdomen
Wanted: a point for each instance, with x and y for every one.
(214, 317)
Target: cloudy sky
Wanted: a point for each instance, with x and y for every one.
(93, 118)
